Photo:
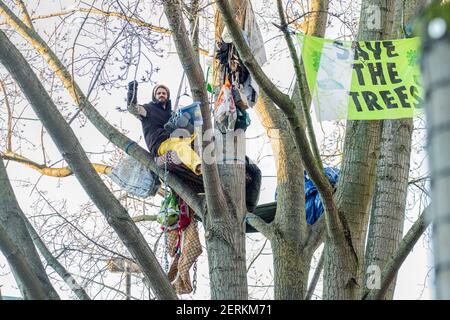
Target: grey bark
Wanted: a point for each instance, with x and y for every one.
(435, 65)
(291, 239)
(18, 248)
(30, 285)
(389, 202)
(344, 260)
(394, 262)
(72, 152)
(288, 230)
(224, 184)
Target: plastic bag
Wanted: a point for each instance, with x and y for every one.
(225, 109)
(169, 212)
(134, 178)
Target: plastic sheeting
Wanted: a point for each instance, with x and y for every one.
(313, 204)
(134, 178)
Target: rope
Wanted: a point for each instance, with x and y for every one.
(233, 159)
(194, 268)
(166, 217)
(128, 145)
(178, 93)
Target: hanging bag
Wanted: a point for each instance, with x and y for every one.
(169, 212)
(225, 109)
(134, 178)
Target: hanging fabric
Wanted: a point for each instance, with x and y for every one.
(184, 247)
(224, 109)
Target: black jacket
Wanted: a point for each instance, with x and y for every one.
(153, 125)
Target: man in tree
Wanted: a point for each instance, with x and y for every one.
(161, 127)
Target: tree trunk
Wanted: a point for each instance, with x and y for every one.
(394, 262)
(289, 230)
(435, 67)
(343, 279)
(388, 206)
(289, 227)
(24, 261)
(389, 203)
(225, 244)
(224, 183)
(225, 231)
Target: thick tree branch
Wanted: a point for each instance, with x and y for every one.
(22, 269)
(51, 172)
(12, 220)
(214, 193)
(266, 229)
(301, 86)
(394, 263)
(290, 217)
(194, 21)
(70, 148)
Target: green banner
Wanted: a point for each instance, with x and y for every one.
(362, 80)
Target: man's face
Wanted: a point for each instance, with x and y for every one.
(161, 95)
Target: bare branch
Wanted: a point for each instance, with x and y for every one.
(94, 10)
(301, 86)
(395, 262)
(25, 15)
(315, 278)
(136, 21)
(51, 172)
(260, 225)
(257, 255)
(8, 108)
(54, 263)
(145, 217)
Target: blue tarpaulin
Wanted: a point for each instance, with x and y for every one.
(313, 204)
